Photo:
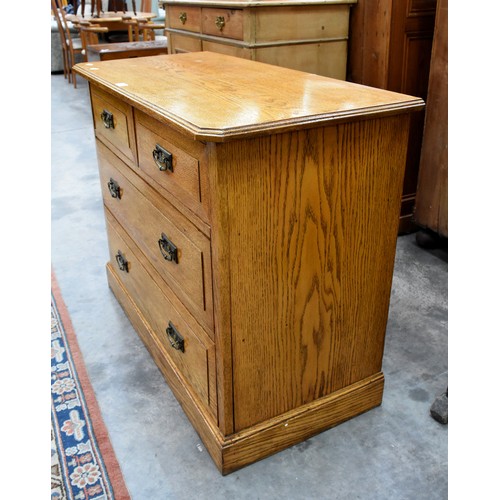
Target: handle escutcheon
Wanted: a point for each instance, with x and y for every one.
(168, 249)
(107, 119)
(114, 189)
(174, 337)
(163, 159)
(122, 262)
(183, 17)
(220, 22)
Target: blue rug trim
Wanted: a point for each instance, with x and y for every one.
(83, 469)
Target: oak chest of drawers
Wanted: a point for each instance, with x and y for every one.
(307, 35)
(252, 215)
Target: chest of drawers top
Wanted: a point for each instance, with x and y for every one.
(214, 97)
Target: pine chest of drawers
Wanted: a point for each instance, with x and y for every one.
(307, 35)
(252, 214)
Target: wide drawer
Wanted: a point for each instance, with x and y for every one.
(173, 162)
(178, 251)
(114, 124)
(181, 338)
(184, 17)
(227, 23)
(180, 44)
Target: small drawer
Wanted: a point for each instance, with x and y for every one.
(177, 250)
(172, 161)
(180, 336)
(227, 23)
(180, 44)
(184, 17)
(114, 124)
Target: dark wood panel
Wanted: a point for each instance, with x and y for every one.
(390, 47)
(431, 209)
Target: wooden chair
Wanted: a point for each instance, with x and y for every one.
(115, 6)
(71, 46)
(75, 46)
(96, 5)
(143, 30)
(89, 35)
(62, 35)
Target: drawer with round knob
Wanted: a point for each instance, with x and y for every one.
(180, 336)
(114, 124)
(227, 23)
(177, 250)
(184, 17)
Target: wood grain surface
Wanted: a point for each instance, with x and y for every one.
(258, 3)
(284, 206)
(197, 359)
(431, 208)
(208, 95)
(312, 220)
(146, 216)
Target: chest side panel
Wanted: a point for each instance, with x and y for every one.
(312, 230)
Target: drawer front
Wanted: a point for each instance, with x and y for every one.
(184, 17)
(181, 44)
(327, 59)
(178, 251)
(302, 22)
(229, 50)
(227, 23)
(184, 342)
(113, 122)
(172, 161)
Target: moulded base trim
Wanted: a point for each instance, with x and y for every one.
(266, 438)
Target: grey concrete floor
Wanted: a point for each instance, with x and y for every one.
(396, 451)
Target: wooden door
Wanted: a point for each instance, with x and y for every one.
(390, 48)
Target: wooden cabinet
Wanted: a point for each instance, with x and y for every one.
(431, 205)
(252, 216)
(390, 48)
(306, 35)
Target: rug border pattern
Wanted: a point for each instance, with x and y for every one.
(88, 417)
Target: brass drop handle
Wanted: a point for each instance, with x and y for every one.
(163, 159)
(114, 189)
(107, 119)
(220, 22)
(122, 262)
(174, 337)
(168, 249)
(183, 17)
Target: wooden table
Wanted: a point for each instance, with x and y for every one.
(123, 50)
(114, 21)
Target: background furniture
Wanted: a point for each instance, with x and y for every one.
(144, 30)
(252, 236)
(90, 35)
(124, 50)
(431, 207)
(307, 35)
(59, 60)
(390, 48)
(71, 47)
(57, 64)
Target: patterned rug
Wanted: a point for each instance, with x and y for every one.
(84, 466)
